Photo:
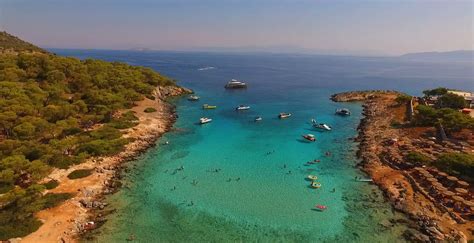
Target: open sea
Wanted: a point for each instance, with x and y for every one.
(238, 180)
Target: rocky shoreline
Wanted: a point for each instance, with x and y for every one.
(379, 144)
(68, 221)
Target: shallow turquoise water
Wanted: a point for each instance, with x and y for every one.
(259, 192)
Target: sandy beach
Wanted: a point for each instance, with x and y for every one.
(65, 222)
(382, 148)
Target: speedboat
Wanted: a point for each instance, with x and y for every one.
(193, 98)
(258, 118)
(312, 177)
(320, 207)
(204, 120)
(315, 184)
(206, 106)
(235, 84)
(309, 137)
(284, 115)
(322, 126)
(343, 112)
(242, 107)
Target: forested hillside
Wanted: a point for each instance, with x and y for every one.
(56, 112)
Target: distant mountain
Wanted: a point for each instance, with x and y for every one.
(11, 43)
(450, 56)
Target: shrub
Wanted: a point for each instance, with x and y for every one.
(403, 99)
(150, 110)
(77, 174)
(51, 184)
(53, 199)
(417, 158)
(457, 163)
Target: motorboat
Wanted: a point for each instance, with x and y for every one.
(343, 112)
(315, 184)
(309, 137)
(258, 118)
(312, 177)
(235, 84)
(242, 107)
(320, 207)
(204, 120)
(193, 98)
(284, 115)
(206, 106)
(321, 126)
(364, 180)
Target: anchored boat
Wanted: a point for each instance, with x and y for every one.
(321, 126)
(242, 107)
(309, 137)
(320, 207)
(343, 112)
(258, 118)
(204, 120)
(235, 84)
(206, 106)
(284, 115)
(193, 98)
(312, 177)
(315, 184)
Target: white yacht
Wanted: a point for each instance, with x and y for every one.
(204, 120)
(322, 126)
(235, 84)
(242, 107)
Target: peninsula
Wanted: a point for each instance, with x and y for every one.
(425, 174)
(65, 126)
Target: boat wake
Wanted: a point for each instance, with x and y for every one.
(206, 68)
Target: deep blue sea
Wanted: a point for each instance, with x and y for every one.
(238, 180)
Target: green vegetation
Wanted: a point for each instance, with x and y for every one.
(403, 99)
(417, 158)
(51, 184)
(435, 92)
(457, 163)
(452, 101)
(150, 110)
(77, 174)
(57, 112)
(452, 120)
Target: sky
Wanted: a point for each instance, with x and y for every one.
(385, 27)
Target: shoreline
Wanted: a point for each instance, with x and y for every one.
(67, 221)
(430, 221)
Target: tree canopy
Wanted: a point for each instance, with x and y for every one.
(55, 112)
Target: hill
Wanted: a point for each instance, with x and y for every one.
(10, 43)
(451, 56)
(56, 112)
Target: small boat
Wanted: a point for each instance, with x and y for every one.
(343, 112)
(193, 98)
(364, 180)
(315, 184)
(312, 177)
(322, 126)
(242, 107)
(284, 115)
(309, 137)
(258, 118)
(320, 207)
(206, 106)
(204, 120)
(235, 84)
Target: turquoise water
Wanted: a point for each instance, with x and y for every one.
(245, 181)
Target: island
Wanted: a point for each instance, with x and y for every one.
(420, 152)
(66, 126)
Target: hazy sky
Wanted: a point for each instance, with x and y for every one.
(383, 26)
